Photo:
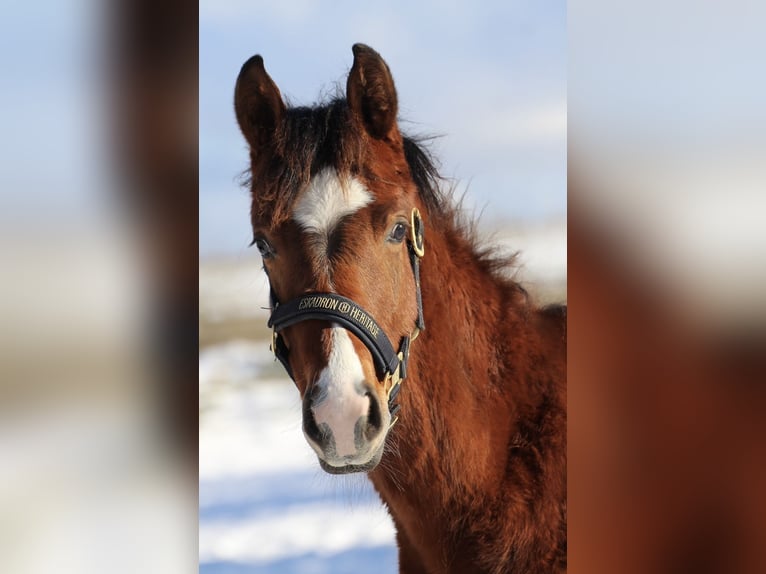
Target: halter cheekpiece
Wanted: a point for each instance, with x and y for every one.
(390, 365)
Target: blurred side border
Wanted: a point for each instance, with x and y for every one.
(667, 287)
(99, 251)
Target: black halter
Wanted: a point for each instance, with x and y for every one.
(389, 364)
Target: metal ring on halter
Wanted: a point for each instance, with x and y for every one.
(416, 232)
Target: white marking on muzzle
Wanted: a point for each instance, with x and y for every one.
(340, 404)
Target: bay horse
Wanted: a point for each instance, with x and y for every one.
(418, 361)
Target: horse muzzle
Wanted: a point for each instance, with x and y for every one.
(347, 432)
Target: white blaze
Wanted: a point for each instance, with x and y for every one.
(327, 200)
(340, 404)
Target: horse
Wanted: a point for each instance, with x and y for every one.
(419, 361)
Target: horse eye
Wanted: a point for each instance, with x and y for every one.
(264, 247)
(397, 233)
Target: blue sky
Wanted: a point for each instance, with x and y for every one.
(489, 78)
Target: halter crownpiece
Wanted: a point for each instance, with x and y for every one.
(390, 365)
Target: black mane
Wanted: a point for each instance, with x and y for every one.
(312, 138)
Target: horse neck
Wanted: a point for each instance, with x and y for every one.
(479, 430)
(456, 413)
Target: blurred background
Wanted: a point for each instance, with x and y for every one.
(490, 81)
(98, 252)
(667, 287)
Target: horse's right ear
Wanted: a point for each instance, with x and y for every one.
(257, 103)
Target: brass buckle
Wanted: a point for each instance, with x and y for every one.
(394, 377)
(274, 342)
(416, 232)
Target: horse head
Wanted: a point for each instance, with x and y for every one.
(336, 218)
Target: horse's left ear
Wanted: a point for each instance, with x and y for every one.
(371, 93)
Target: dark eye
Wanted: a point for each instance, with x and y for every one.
(264, 247)
(398, 233)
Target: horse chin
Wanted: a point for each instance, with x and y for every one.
(351, 468)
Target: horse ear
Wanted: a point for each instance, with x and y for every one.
(371, 93)
(257, 103)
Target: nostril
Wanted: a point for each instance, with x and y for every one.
(309, 423)
(374, 417)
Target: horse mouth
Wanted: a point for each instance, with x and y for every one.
(348, 469)
(351, 468)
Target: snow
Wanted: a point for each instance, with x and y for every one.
(265, 505)
(233, 288)
(290, 531)
(542, 250)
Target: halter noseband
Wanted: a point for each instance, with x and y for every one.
(389, 364)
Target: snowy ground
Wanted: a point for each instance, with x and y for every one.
(265, 505)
